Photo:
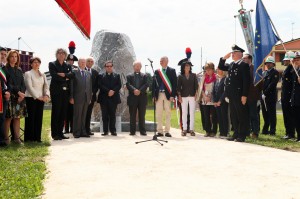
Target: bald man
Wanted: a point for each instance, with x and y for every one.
(137, 99)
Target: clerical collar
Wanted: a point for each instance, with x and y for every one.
(136, 73)
(108, 73)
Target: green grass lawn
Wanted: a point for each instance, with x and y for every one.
(264, 140)
(23, 168)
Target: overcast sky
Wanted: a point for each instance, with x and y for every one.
(155, 27)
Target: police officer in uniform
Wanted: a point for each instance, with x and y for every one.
(269, 97)
(286, 93)
(295, 99)
(237, 91)
(69, 117)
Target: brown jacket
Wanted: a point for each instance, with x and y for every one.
(254, 91)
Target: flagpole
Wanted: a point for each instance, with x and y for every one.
(279, 38)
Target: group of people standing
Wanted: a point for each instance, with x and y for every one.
(227, 96)
(21, 96)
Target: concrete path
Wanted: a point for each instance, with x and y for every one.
(185, 168)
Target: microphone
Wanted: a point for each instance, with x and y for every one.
(150, 60)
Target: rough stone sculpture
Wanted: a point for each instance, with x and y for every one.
(108, 45)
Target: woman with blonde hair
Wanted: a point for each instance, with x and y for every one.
(37, 93)
(16, 108)
(205, 95)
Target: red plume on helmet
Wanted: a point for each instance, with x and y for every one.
(188, 53)
(72, 47)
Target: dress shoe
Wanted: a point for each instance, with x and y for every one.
(114, 134)
(90, 133)
(231, 139)
(104, 134)
(132, 134)
(143, 134)
(159, 135)
(287, 137)
(254, 135)
(298, 140)
(3, 144)
(57, 138)
(265, 133)
(76, 136)
(64, 137)
(85, 135)
(239, 140)
(168, 135)
(207, 135)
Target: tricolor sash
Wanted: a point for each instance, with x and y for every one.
(165, 80)
(3, 75)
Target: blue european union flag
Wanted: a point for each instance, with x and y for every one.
(265, 39)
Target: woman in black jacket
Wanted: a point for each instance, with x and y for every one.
(16, 108)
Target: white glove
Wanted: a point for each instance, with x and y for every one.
(263, 97)
(226, 99)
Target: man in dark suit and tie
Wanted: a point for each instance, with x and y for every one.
(81, 95)
(137, 99)
(61, 73)
(163, 94)
(94, 75)
(269, 97)
(237, 91)
(3, 55)
(109, 84)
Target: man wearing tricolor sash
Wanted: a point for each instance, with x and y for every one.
(163, 94)
(4, 97)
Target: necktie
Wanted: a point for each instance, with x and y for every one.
(137, 80)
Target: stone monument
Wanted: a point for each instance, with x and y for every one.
(109, 45)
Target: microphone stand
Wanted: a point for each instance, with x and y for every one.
(155, 137)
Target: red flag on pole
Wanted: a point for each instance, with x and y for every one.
(79, 12)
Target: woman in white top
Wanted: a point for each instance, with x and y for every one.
(37, 93)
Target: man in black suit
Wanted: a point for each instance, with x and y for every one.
(237, 91)
(61, 73)
(163, 94)
(286, 94)
(137, 99)
(109, 84)
(94, 73)
(269, 97)
(295, 99)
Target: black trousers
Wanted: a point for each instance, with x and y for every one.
(239, 117)
(211, 122)
(2, 119)
(269, 116)
(139, 106)
(202, 116)
(58, 114)
(288, 118)
(88, 117)
(222, 115)
(296, 114)
(109, 116)
(69, 119)
(34, 120)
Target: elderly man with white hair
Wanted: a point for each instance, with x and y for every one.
(81, 95)
(94, 74)
(137, 99)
